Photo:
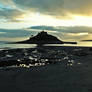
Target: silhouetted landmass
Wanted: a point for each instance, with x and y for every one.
(44, 38)
(87, 40)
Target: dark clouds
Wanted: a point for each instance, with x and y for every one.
(14, 33)
(7, 2)
(73, 30)
(10, 14)
(49, 7)
(57, 8)
(63, 33)
(43, 6)
(81, 7)
(12, 9)
(68, 33)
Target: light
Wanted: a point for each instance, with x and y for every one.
(83, 21)
(40, 19)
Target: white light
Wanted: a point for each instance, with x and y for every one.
(40, 19)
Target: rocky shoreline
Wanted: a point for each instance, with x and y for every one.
(46, 69)
(44, 55)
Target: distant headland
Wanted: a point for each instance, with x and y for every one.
(86, 40)
(44, 38)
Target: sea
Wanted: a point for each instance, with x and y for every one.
(4, 45)
(16, 35)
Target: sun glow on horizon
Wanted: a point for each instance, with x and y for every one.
(83, 20)
(39, 19)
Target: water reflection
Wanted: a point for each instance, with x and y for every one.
(9, 46)
(40, 56)
(83, 44)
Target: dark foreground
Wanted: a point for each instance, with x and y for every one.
(46, 69)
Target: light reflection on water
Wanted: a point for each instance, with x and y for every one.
(8, 46)
(81, 44)
(86, 44)
(38, 57)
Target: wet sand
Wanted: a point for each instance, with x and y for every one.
(55, 69)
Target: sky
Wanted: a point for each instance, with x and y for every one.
(71, 18)
(45, 12)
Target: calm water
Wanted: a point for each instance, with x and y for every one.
(10, 46)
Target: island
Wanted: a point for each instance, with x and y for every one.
(44, 38)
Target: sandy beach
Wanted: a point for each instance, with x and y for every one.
(42, 69)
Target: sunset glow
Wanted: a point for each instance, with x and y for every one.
(36, 18)
(66, 19)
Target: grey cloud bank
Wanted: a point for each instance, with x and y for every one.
(64, 33)
(57, 7)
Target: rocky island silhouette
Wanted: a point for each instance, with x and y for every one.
(44, 38)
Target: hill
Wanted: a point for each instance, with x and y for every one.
(42, 38)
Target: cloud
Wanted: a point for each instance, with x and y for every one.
(49, 7)
(2, 32)
(6, 2)
(73, 30)
(62, 9)
(10, 14)
(14, 33)
(67, 33)
(57, 8)
(77, 34)
(63, 33)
